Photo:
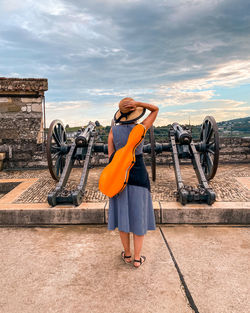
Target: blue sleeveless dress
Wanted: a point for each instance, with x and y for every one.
(132, 209)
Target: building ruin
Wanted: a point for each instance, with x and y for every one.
(21, 120)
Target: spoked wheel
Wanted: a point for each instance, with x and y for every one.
(153, 160)
(56, 149)
(209, 156)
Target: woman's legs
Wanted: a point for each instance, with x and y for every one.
(138, 241)
(125, 238)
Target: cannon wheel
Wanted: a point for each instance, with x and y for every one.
(56, 142)
(153, 160)
(209, 137)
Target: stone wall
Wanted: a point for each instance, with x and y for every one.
(235, 150)
(232, 150)
(21, 119)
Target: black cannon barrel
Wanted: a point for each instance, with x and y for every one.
(100, 147)
(182, 136)
(159, 147)
(83, 138)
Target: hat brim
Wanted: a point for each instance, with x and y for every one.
(132, 117)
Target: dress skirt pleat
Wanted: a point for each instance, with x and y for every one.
(132, 211)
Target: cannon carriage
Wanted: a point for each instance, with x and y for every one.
(203, 154)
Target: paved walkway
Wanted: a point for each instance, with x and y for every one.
(78, 269)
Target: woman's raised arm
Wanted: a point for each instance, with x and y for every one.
(149, 120)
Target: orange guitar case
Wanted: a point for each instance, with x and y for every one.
(114, 177)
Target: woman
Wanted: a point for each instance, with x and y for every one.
(132, 209)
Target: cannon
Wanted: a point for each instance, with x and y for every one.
(203, 154)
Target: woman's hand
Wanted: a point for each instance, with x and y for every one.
(130, 104)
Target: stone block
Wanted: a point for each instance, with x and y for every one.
(36, 107)
(13, 108)
(31, 100)
(8, 133)
(6, 107)
(37, 164)
(22, 156)
(157, 212)
(5, 99)
(238, 149)
(246, 144)
(80, 215)
(2, 156)
(219, 213)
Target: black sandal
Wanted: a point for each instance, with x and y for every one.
(125, 257)
(140, 261)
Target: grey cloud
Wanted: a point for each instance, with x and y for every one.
(156, 43)
(123, 44)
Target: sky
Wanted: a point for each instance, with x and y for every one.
(191, 58)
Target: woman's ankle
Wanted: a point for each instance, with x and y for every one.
(137, 257)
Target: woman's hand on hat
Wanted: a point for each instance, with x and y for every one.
(130, 104)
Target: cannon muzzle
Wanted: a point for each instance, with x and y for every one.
(182, 136)
(82, 138)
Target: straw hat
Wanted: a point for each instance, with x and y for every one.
(125, 115)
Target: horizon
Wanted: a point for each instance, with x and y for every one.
(186, 124)
(189, 58)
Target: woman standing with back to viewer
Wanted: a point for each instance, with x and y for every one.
(132, 209)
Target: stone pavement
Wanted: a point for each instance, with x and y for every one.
(78, 269)
(225, 183)
(27, 203)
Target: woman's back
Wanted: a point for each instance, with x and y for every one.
(120, 137)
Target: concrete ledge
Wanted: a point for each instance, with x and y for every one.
(43, 214)
(218, 213)
(12, 214)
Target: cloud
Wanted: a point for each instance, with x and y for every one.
(65, 105)
(121, 93)
(173, 53)
(220, 109)
(198, 98)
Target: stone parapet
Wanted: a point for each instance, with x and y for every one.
(23, 86)
(235, 149)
